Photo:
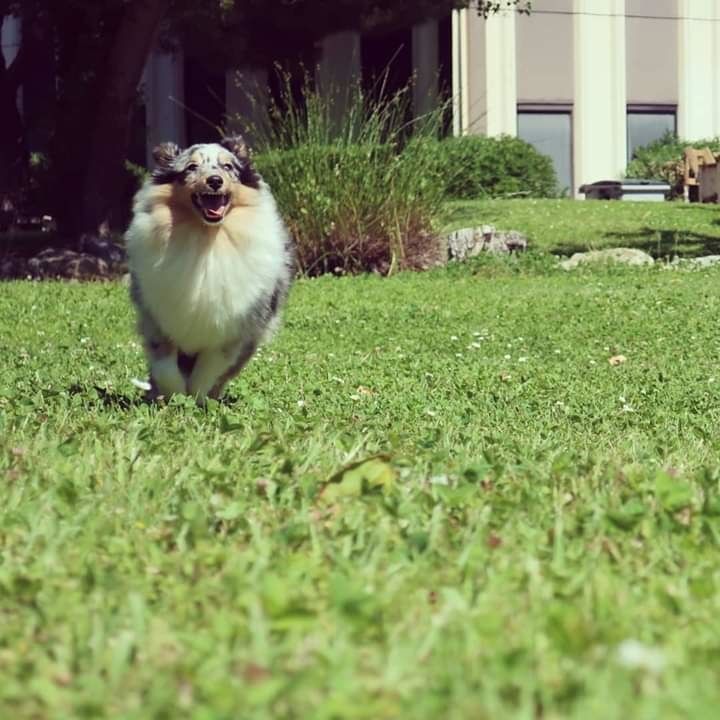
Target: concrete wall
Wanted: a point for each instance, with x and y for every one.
(652, 31)
(545, 60)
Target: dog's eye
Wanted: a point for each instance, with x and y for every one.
(192, 167)
(228, 167)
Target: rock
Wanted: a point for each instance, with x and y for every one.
(625, 256)
(104, 248)
(469, 242)
(13, 267)
(68, 264)
(704, 261)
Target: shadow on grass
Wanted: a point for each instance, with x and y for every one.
(121, 401)
(657, 243)
(109, 398)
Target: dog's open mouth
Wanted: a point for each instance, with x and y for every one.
(212, 206)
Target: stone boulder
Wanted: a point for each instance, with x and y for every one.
(68, 264)
(624, 256)
(704, 261)
(469, 242)
(105, 249)
(13, 267)
(98, 259)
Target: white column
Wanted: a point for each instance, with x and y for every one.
(501, 73)
(469, 73)
(460, 90)
(164, 100)
(246, 97)
(339, 71)
(10, 37)
(425, 67)
(699, 81)
(339, 65)
(600, 110)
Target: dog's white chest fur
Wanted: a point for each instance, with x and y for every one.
(202, 288)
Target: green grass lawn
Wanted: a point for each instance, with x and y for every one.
(433, 496)
(567, 226)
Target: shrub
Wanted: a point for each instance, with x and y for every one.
(475, 166)
(663, 160)
(358, 189)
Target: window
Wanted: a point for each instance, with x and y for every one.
(549, 130)
(646, 123)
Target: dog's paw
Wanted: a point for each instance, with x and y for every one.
(141, 384)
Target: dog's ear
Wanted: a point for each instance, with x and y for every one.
(236, 145)
(165, 154)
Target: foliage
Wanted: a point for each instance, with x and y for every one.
(533, 532)
(355, 181)
(475, 166)
(663, 160)
(664, 229)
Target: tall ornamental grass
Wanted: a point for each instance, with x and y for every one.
(356, 179)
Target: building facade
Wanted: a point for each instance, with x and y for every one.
(589, 81)
(585, 81)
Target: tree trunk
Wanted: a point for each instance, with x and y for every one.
(106, 149)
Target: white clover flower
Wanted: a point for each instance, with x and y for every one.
(635, 655)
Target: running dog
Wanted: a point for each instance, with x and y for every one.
(210, 263)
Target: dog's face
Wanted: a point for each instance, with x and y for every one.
(210, 177)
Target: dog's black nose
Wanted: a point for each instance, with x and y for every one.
(215, 182)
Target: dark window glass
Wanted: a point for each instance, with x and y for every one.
(551, 134)
(645, 127)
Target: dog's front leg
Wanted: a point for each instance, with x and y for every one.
(165, 376)
(213, 368)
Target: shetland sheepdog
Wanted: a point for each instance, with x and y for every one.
(210, 265)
